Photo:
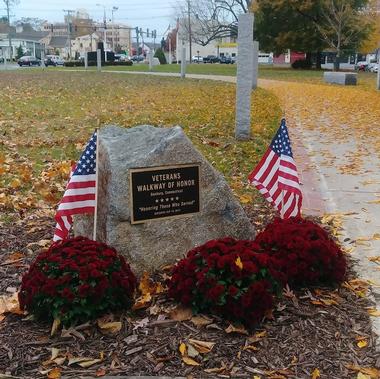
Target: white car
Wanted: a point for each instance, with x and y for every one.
(197, 59)
(374, 67)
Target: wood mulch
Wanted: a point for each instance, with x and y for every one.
(311, 331)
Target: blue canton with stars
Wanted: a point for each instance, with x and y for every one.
(87, 162)
(281, 142)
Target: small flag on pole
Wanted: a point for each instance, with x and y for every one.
(276, 175)
(80, 194)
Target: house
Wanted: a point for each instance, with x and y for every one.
(83, 44)
(32, 42)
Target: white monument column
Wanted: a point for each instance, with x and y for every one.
(183, 62)
(244, 76)
(150, 60)
(99, 59)
(42, 59)
(255, 66)
(86, 60)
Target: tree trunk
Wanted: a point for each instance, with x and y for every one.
(336, 62)
(318, 58)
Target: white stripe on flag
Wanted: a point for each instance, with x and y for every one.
(76, 204)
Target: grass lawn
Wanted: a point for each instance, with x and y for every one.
(46, 117)
(366, 80)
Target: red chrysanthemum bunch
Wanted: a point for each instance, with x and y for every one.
(76, 280)
(227, 277)
(306, 253)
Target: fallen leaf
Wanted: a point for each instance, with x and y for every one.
(89, 363)
(362, 376)
(109, 327)
(201, 320)
(239, 263)
(191, 351)
(202, 346)
(54, 353)
(190, 361)
(373, 312)
(182, 348)
(55, 373)
(181, 313)
(100, 372)
(362, 343)
(316, 374)
(55, 326)
(217, 370)
(10, 304)
(236, 329)
(372, 372)
(142, 302)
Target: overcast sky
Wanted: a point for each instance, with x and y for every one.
(152, 14)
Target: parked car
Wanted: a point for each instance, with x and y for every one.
(28, 60)
(210, 59)
(361, 66)
(373, 67)
(120, 58)
(53, 60)
(137, 58)
(1, 60)
(225, 60)
(197, 59)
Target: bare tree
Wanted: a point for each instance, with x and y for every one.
(211, 19)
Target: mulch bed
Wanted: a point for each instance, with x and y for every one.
(316, 329)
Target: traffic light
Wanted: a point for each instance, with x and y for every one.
(147, 32)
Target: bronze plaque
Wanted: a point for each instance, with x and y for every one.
(162, 192)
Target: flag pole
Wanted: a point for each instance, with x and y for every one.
(96, 184)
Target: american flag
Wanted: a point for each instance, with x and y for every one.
(79, 196)
(276, 175)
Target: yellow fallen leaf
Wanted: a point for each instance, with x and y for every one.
(362, 376)
(316, 374)
(202, 346)
(373, 312)
(245, 199)
(182, 348)
(362, 343)
(55, 373)
(239, 263)
(142, 302)
(376, 236)
(15, 183)
(190, 361)
(236, 329)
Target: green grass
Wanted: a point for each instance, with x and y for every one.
(47, 116)
(366, 80)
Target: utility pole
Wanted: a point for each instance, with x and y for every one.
(105, 30)
(113, 28)
(189, 20)
(69, 26)
(7, 4)
(137, 41)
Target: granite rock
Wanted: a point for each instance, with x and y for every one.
(153, 244)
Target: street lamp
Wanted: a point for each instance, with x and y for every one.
(114, 9)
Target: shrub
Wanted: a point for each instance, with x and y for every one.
(302, 64)
(76, 280)
(160, 55)
(305, 251)
(227, 277)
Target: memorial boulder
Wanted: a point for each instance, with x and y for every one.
(158, 197)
